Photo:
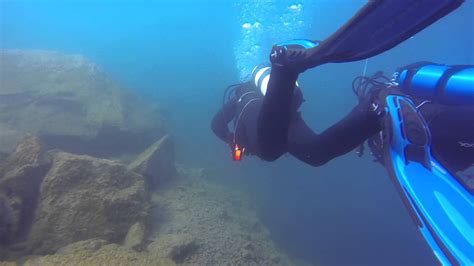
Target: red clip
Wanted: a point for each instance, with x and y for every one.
(237, 153)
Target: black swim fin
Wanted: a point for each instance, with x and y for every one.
(378, 26)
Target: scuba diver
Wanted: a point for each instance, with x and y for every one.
(452, 137)
(418, 123)
(243, 103)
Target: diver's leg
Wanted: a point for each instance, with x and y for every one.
(280, 130)
(344, 136)
(275, 113)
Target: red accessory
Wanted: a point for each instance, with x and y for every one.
(237, 153)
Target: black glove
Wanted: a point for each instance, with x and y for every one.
(293, 55)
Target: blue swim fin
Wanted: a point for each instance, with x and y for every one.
(441, 206)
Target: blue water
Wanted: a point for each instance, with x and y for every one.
(180, 54)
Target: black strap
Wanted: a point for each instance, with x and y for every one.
(443, 81)
(412, 69)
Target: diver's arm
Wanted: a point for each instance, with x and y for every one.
(222, 118)
(339, 139)
(275, 113)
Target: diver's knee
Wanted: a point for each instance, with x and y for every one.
(318, 163)
(269, 156)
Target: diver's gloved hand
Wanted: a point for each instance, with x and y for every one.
(294, 55)
(376, 105)
(376, 110)
(372, 105)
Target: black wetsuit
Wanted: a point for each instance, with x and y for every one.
(271, 126)
(451, 129)
(286, 131)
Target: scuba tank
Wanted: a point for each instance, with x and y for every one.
(449, 85)
(261, 77)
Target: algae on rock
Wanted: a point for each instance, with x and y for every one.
(84, 197)
(156, 163)
(109, 254)
(174, 246)
(219, 225)
(135, 237)
(91, 245)
(20, 177)
(72, 105)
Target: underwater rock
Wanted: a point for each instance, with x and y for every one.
(248, 256)
(91, 245)
(110, 254)
(72, 105)
(156, 163)
(2, 156)
(84, 197)
(135, 237)
(275, 259)
(174, 246)
(6, 221)
(21, 175)
(220, 220)
(29, 151)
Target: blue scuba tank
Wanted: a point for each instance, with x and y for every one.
(450, 85)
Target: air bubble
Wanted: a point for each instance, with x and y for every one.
(295, 7)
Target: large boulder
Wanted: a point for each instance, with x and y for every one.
(83, 197)
(72, 105)
(20, 177)
(156, 163)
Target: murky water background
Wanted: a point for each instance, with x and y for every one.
(180, 55)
